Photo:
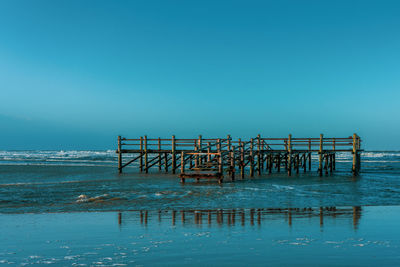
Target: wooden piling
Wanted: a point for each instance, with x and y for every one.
(354, 168)
(321, 140)
(241, 159)
(173, 144)
(182, 162)
(146, 156)
(200, 149)
(182, 167)
(251, 158)
(233, 163)
(141, 154)
(326, 163)
(208, 152)
(159, 154)
(119, 155)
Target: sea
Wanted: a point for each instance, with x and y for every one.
(73, 208)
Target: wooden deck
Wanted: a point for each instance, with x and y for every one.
(217, 158)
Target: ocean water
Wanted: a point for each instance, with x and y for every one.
(61, 181)
(73, 208)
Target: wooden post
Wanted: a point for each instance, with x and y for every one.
(241, 158)
(289, 157)
(119, 155)
(354, 169)
(141, 154)
(220, 167)
(305, 162)
(196, 157)
(262, 155)
(321, 147)
(251, 158)
(228, 140)
(146, 157)
(159, 154)
(259, 154)
(182, 163)
(331, 162)
(326, 163)
(334, 161)
(173, 154)
(208, 152)
(233, 163)
(199, 149)
(297, 162)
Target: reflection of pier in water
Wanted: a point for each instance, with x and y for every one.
(231, 217)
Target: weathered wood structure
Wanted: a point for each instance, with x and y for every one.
(217, 158)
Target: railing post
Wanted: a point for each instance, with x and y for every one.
(251, 158)
(173, 154)
(354, 169)
(141, 154)
(196, 157)
(146, 158)
(321, 147)
(200, 150)
(333, 157)
(233, 163)
(159, 154)
(228, 141)
(119, 155)
(289, 156)
(182, 163)
(241, 158)
(208, 152)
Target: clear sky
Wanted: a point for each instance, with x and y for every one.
(75, 74)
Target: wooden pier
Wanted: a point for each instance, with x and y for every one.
(219, 158)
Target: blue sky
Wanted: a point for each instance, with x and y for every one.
(75, 74)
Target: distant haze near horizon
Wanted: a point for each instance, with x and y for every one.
(75, 74)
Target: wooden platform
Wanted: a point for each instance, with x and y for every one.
(216, 158)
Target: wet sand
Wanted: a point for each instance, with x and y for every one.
(339, 236)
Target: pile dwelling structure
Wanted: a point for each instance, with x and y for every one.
(217, 158)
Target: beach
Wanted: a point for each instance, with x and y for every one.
(73, 208)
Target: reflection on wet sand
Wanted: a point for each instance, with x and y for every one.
(219, 217)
